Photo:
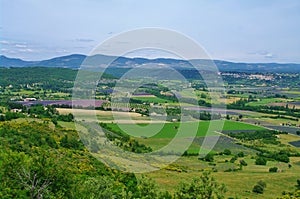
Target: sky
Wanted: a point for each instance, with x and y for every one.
(233, 30)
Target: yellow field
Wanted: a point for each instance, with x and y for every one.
(108, 116)
(286, 138)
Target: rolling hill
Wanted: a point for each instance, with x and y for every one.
(75, 60)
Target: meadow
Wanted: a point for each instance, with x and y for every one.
(169, 130)
(151, 99)
(159, 135)
(238, 183)
(266, 101)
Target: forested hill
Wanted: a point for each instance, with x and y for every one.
(48, 77)
(75, 60)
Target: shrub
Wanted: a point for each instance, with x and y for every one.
(260, 161)
(241, 154)
(273, 169)
(208, 158)
(262, 183)
(227, 152)
(259, 187)
(298, 185)
(283, 158)
(233, 159)
(243, 163)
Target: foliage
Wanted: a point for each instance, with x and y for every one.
(298, 185)
(260, 161)
(291, 195)
(267, 136)
(124, 141)
(273, 169)
(259, 187)
(241, 154)
(37, 160)
(243, 163)
(208, 158)
(227, 152)
(97, 187)
(233, 159)
(203, 187)
(147, 188)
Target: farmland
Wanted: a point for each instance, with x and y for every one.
(169, 130)
(258, 123)
(150, 99)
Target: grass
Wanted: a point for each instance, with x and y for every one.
(159, 135)
(169, 130)
(292, 92)
(279, 121)
(266, 101)
(152, 99)
(188, 93)
(169, 179)
(239, 183)
(286, 138)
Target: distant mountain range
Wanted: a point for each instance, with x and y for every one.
(74, 61)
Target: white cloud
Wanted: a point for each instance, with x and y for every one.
(4, 42)
(269, 55)
(20, 46)
(84, 40)
(262, 54)
(26, 50)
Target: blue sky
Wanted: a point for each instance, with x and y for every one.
(234, 30)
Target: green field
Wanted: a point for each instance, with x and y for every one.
(266, 101)
(152, 99)
(188, 93)
(146, 134)
(169, 130)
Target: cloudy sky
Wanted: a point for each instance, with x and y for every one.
(234, 30)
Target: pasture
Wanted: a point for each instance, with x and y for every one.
(267, 101)
(239, 183)
(169, 130)
(159, 135)
(151, 99)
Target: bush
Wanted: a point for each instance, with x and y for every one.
(227, 152)
(259, 187)
(243, 163)
(233, 159)
(241, 154)
(273, 169)
(298, 185)
(208, 158)
(262, 183)
(260, 161)
(282, 158)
